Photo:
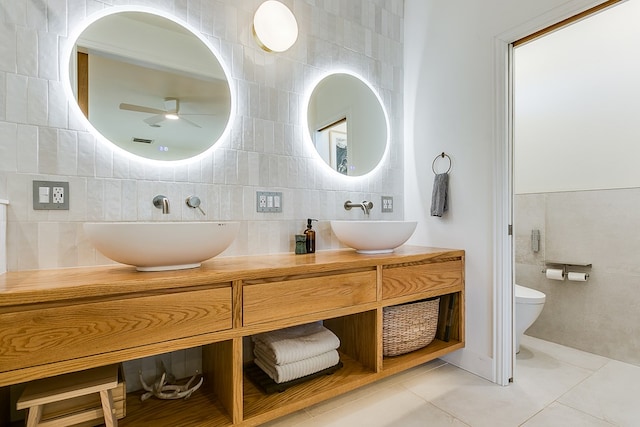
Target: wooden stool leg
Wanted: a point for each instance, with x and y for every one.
(35, 413)
(110, 419)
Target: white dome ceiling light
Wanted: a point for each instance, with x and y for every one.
(274, 26)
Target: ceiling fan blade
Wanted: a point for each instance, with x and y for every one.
(190, 122)
(140, 109)
(153, 120)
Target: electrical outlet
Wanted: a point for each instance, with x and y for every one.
(268, 201)
(58, 195)
(50, 195)
(387, 204)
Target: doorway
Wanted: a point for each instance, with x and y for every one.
(563, 142)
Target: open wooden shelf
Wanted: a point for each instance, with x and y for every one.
(260, 407)
(201, 409)
(437, 348)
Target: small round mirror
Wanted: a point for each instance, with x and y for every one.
(347, 124)
(150, 85)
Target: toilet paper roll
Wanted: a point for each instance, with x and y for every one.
(577, 277)
(555, 273)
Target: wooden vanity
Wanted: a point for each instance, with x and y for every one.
(59, 321)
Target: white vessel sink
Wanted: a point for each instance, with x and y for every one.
(158, 246)
(373, 237)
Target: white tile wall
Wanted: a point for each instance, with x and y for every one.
(42, 138)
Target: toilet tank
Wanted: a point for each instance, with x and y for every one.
(3, 236)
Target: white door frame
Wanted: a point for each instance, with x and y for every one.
(503, 319)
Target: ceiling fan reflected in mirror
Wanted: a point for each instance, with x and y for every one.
(171, 112)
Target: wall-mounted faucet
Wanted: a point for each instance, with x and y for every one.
(161, 202)
(365, 206)
(194, 202)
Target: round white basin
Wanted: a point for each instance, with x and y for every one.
(373, 237)
(158, 246)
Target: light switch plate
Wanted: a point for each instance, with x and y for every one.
(268, 201)
(387, 204)
(51, 195)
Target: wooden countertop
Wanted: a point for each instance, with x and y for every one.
(38, 286)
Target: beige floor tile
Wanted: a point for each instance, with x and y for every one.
(558, 415)
(569, 355)
(544, 378)
(389, 407)
(611, 393)
(474, 400)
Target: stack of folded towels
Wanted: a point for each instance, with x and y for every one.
(292, 353)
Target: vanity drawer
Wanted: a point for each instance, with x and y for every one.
(46, 335)
(264, 302)
(410, 279)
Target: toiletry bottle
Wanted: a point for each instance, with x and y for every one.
(311, 236)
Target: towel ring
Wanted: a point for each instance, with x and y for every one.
(433, 164)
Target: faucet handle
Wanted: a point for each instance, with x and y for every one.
(161, 202)
(194, 202)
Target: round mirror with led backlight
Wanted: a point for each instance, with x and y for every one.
(347, 124)
(150, 85)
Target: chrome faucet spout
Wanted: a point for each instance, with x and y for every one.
(365, 206)
(161, 202)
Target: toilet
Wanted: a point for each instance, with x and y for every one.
(529, 303)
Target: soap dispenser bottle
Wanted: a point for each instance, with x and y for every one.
(311, 236)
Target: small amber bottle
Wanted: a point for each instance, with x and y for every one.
(311, 236)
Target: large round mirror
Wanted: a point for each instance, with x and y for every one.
(150, 85)
(347, 124)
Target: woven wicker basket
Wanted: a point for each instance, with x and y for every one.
(408, 327)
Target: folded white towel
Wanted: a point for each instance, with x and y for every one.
(299, 369)
(296, 343)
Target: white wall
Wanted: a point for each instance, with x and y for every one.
(452, 93)
(577, 104)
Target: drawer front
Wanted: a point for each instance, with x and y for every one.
(414, 279)
(34, 337)
(265, 302)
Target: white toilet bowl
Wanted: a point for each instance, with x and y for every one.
(529, 304)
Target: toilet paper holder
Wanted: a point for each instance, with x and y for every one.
(581, 275)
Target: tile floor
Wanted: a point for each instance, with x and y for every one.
(554, 386)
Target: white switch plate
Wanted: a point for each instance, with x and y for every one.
(43, 194)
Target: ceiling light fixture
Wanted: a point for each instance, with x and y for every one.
(274, 26)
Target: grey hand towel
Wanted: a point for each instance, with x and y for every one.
(439, 203)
